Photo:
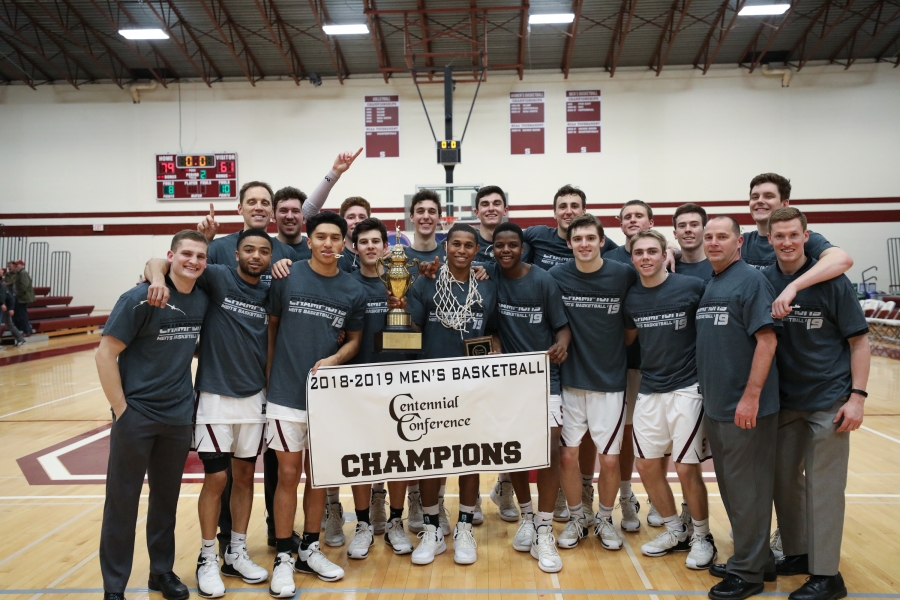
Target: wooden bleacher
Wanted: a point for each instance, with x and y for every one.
(54, 315)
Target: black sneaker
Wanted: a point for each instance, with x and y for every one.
(170, 586)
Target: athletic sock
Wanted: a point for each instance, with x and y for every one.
(466, 513)
(412, 487)
(284, 545)
(577, 511)
(238, 541)
(587, 480)
(308, 540)
(441, 491)
(605, 511)
(542, 518)
(526, 508)
(378, 487)
(625, 489)
(363, 516)
(333, 495)
(396, 513)
(208, 547)
(504, 477)
(701, 527)
(430, 515)
(673, 523)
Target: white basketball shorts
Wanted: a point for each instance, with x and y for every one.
(601, 413)
(671, 422)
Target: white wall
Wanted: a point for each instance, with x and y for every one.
(675, 138)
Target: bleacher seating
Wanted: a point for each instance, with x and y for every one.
(884, 325)
(53, 315)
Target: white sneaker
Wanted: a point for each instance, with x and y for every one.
(525, 534)
(334, 524)
(238, 564)
(478, 516)
(667, 541)
(209, 583)
(775, 543)
(312, 562)
(432, 544)
(607, 534)
(587, 502)
(654, 519)
(363, 539)
(686, 519)
(416, 519)
(376, 511)
(630, 508)
(396, 537)
(543, 548)
(703, 552)
(282, 584)
(505, 498)
(464, 545)
(561, 508)
(443, 517)
(575, 530)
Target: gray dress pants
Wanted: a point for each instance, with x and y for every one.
(745, 470)
(810, 506)
(139, 445)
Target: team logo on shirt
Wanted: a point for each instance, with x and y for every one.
(317, 308)
(245, 307)
(677, 318)
(611, 304)
(717, 312)
(171, 306)
(811, 318)
(179, 330)
(533, 313)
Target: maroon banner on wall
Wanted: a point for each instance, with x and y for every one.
(582, 121)
(526, 122)
(382, 126)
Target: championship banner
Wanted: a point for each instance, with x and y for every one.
(428, 418)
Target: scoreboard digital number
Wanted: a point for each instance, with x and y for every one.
(196, 176)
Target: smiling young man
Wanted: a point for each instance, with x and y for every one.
(740, 402)
(307, 311)
(668, 417)
(468, 311)
(490, 210)
(229, 413)
(768, 193)
(689, 220)
(425, 214)
(594, 375)
(823, 364)
(144, 365)
(354, 209)
(531, 318)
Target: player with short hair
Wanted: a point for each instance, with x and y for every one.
(740, 403)
(144, 365)
(593, 377)
(491, 208)
(689, 220)
(354, 209)
(449, 309)
(823, 364)
(425, 213)
(668, 417)
(531, 318)
(307, 311)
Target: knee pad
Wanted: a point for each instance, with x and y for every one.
(214, 462)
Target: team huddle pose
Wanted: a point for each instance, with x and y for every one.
(750, 349)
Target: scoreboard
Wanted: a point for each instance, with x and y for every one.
(196, 176)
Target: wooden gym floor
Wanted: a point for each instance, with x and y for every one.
(53, 424)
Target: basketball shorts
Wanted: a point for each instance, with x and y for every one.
(233, 425)
(287, 430)
(671, 422)
(632, 387)
(555, 409)
(601, 413)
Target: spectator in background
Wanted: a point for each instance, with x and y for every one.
(20, 285)
(8, 302)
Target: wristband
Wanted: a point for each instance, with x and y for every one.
(860, 392)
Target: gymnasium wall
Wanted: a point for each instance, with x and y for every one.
(70, 159)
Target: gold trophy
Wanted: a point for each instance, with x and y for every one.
(398, 334)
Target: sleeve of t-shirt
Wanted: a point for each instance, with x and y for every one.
(556, 310)
(629, 318)
(210, 277)
(126, 318)
(757, 309)
(816, 245)
(275, 301)
(415, 303)
(851, 320)
(528, 249)
(357, 315)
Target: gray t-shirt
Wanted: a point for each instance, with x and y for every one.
(424, 256)
(620, 255)
(439, 341)
(545, 248)
(813, 355)
(623, 256)
(313, 309)
(234, 340)
(301, 250)
(757, 252)
(155, 365)
(529, 312)
(701, 270)
(736, 304)
(664, 317)
(221, 252)
(593, 302)
(485, 255)
(349, 261)
(376, 309)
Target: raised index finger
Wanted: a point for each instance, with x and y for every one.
(357, 154)
(212, 211)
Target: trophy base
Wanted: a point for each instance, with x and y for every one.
(398, 341)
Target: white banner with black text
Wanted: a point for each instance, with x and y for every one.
(428, 418)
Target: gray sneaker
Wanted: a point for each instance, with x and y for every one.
(630, 509)
(561, 508)
(334, 524)
(376, 511)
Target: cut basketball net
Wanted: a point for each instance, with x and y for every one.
(447, 222)
(448, 309)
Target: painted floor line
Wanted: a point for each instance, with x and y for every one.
(24, 549)
(885, 436)
(51, 402)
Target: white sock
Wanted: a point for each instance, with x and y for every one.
(208, 547)
(333, 494)
(412, 487)
(441, 491)
(587, 480)
(605, 511)
(577, 511)
(238, 541)
(673, 523)
(526, 508)
(430, 510)
(701, 527)
(467, 509)
(378, 487)
(542, 518)
(504, 477)
(625, 489)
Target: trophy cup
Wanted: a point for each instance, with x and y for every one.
(398, 334)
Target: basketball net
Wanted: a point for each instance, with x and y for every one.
(448, 310)
(447, 222)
